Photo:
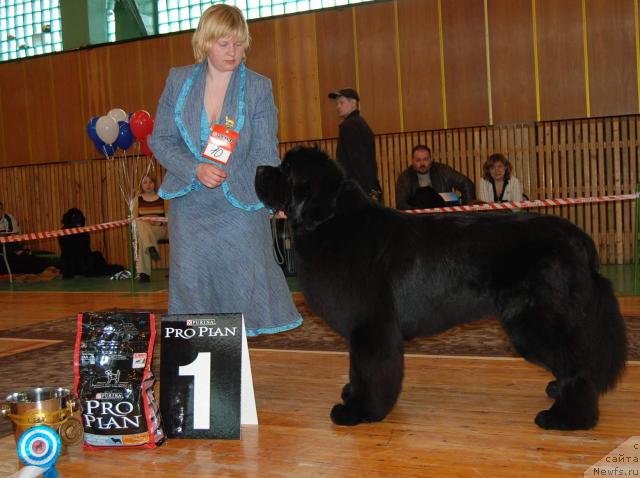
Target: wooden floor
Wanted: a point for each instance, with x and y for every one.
(466, 417)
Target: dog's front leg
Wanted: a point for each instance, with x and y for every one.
(376, 353)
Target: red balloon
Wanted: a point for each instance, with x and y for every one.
(144, 146)
(141, 124)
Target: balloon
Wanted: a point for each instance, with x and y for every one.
(107, 129)
(141, 124)
(125, 138)
(109, 149)
(91, 129)
(104, 149)
(144, 146)
(118, 114)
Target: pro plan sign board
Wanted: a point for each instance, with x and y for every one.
(204, 376)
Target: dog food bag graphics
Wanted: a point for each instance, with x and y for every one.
(114, 382)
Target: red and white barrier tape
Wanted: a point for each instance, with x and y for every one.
(34, 236)
(526, 204)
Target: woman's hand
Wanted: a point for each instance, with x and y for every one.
(210, 175)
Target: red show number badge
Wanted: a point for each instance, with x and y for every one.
(220, 145)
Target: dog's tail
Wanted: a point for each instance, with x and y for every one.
(609, 344)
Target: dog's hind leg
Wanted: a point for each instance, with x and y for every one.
(376, 368)
(548, 336)
(575, 408)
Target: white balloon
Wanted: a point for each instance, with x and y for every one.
(107, 129)
(118, 114)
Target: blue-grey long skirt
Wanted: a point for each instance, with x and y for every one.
(222, 262)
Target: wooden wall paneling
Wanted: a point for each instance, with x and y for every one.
(617, 188)
(554, 170)
(579, 189)
(420, 64)
(633, 180)
(298, 78)
(377, 66)
(97, 101)
(181, 49)
(613, 84)
(587, 164)
(624, 186)
(453, 159)
(153, 68)
(465, 163)
(465, 63)
(382, 151)
(385, 172)
(398, 151)
(562, 178)
(543, 144)
(126, 76)
(262, 56)
(571, 168)
(609, 180)
(521, 157)
(13, 97)
(561, 59)
(511, 60)
(67, 97)
(476, 142)
(597, 173)
(336, 63)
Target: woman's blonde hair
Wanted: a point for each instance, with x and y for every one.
(219, 21)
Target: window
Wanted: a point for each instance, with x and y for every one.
(176, 15)
(29, 27)
(33, 27)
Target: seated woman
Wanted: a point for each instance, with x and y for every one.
(149, 232)
(497, 184)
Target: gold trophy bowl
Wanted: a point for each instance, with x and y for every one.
(49, 406)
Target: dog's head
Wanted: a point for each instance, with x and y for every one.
(305, 186)
(73, 218)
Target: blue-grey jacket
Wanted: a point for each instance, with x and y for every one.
(176, 141)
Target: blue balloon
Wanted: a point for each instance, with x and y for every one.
(105, 149)
(91, 129)
(109, 149)
(125, 137)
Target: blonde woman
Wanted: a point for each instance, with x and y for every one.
(216, 122)
(497, 183)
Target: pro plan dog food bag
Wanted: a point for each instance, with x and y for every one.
(113, 380)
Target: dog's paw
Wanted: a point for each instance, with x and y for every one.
(550, 420)
(553, 389)
(346, 392)
(343, 415)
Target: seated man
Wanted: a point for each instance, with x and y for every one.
(8, 226)
(425, 173)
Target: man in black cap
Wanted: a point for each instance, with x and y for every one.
(356, 150)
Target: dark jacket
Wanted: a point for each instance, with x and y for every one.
(443, 179)
(356, 152)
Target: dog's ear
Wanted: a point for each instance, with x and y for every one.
(315, 184)
(272, 187)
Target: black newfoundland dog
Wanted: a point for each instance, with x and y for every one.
(76, 254)
(378, 276)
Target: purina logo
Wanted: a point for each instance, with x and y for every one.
(196, 322)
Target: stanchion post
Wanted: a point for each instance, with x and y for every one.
(635, 244)
(132, 265)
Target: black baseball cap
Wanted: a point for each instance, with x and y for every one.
(346, 92)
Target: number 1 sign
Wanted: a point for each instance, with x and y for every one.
(204, 366)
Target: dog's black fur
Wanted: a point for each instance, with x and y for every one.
(76, 254)
(378, 276)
